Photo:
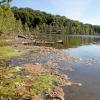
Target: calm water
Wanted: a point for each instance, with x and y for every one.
(85, 48)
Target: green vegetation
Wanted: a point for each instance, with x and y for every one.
(41, 83)
(15, 85)
(5, 1)
(6, 91)
(29, 21)
(7, 81)
(7, 52)
(40, 22)
(7, 20)
(19, 79)
(11, 51)
(14, 69)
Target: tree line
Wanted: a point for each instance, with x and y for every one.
(29, 21)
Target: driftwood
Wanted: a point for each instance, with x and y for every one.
(22, 36)
(41, 42)
(59, 41)
(31, 41)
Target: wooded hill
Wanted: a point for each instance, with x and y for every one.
(43, 22)
(29, 21)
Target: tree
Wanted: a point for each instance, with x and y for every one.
(37, 29)
(43, 22)
(18, 26)
(26, 28)
(1, 19)
(5, 1)
(7, 20)
(50, 30)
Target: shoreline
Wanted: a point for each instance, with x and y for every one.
(48, 67)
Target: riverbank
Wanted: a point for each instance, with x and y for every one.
(33, 72)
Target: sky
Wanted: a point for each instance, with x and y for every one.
(86, 11)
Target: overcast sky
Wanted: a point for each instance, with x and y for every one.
(87, 11)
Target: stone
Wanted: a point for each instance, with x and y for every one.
(56, 93)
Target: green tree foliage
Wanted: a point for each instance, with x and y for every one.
(18, 26)
(47, 23)
(1, 19)
(7, 20)
(5, 1)
(28, 20)
(36, 30)
(26, 28)
(8, 24)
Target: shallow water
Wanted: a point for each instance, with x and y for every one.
(86, 73)
(86, 51)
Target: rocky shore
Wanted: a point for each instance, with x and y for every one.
(35, 74)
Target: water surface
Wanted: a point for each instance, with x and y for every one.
(85, 48)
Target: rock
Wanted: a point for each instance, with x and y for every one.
(77, 84)
(69, 83)
(72, 83)
(56, 93)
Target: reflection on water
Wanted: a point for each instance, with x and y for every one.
(86, 52)
(88, 75)
(70, 41)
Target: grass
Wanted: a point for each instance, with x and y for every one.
(14, 69)
(10, 70)
(7, 88)
(19, 79)
(38, 85)
(6, 91)
(41, 83)
(7, 76)
(7, 52)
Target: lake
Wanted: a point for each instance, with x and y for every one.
(86, 70)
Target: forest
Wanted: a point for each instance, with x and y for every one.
(29, 21)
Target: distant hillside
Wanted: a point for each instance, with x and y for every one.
(29, 21)
(48, 23)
